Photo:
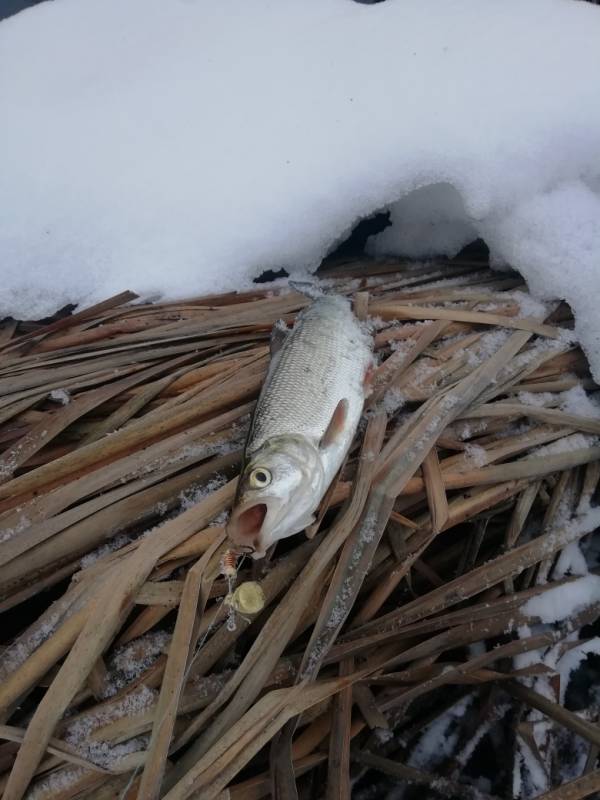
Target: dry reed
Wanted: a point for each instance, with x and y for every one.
(416, 609)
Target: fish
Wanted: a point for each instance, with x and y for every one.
(303, 424)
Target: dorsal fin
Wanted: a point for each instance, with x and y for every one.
(279, 333)
(311, 290)
(336, 425)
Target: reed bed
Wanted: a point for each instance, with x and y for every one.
(426, 640)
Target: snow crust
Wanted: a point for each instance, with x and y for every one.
(180, 148)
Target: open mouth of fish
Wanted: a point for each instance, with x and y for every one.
(246, 525)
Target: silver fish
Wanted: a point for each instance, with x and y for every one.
(303, 425)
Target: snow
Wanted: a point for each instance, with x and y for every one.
(114, 544)
(393, 400)
(60, 396)
(19, 651)
(183, 148)
(429, 220)
(439, 738)
(487, 346)
(79, 732)
(538, 399)
(565, 600)
(573, 401)
(195, 494)
(571, 561)
(577, 401)
(131, 660)
(476, 456)
(59, 780)
(530, 306)
(568, 444)
(572, 659)
(554, 239)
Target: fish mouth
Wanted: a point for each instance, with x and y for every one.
(245, 525)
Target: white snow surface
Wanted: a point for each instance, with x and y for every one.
(180, 148)
(564, 600)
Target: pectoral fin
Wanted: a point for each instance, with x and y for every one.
(336, 425)
(311, 530)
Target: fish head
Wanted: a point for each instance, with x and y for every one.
(279, 488)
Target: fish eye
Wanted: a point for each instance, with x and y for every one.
(259, 478)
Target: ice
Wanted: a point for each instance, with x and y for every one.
(565, 600)
(183, 148)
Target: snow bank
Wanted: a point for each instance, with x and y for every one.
(184, 147)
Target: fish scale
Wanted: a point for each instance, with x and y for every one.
(322, 361)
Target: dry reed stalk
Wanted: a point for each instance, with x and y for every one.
(212, 772)
(397, 311)
(123, 443)
(577, 789)
(401, 359)
(443, 786)
(76, 531)
(102, 620)
(174, 677)
(73, 319)
(555, 711)
(436, 491)
(338, 777)
(55, 747)
(374, 610)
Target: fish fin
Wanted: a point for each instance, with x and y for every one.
(311, 530)
(336, 424)
(309, 526)
(311, 290)
(279, 333)
(323, 506)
